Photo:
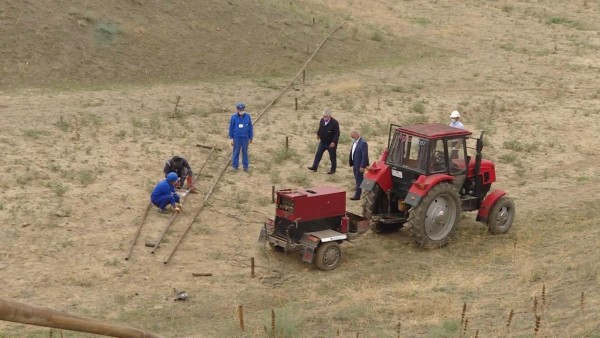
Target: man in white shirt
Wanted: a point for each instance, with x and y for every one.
(455, 123)
(358, 160)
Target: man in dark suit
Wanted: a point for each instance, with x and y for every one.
(328, 135)
(359, 160)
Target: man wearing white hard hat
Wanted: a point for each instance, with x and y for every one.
(455, 123)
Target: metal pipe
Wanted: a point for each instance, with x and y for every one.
(137, 232)
(34, 315)
(164, 232)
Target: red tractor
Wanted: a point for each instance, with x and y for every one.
(425, 178)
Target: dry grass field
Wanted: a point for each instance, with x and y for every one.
(87, 107)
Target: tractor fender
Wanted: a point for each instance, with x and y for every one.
(422, 185)
(378, 173)
(311, 240)
(488, 203)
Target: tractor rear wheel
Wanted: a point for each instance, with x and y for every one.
(501, 216)
(329, 256)
(376, 202)
(435, 219)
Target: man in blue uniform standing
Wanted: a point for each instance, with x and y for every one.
(359, 160)
(241, 134)
(164, 194)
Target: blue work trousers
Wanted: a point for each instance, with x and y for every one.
(240, 144)
(164, 200)
(332, 156)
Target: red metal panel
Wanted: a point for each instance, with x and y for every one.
(487, 204)
(487, 166)
(424, 183)
(380, 173)
(434, 131)
(311, 204)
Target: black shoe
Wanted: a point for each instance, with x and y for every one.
(312, 168)
(331, 172)
(354, 198)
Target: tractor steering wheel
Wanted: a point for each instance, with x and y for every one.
(440, 160)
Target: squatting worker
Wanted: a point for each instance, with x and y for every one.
(454, 120)
(241, 134)
(164, 194)
(181, 167)
(328, 135)
(359, 160)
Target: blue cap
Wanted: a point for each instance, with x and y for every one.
(172, 177)
(240, 106)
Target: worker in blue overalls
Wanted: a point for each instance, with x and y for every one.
(241, 134)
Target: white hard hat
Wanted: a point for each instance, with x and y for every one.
(455, 114)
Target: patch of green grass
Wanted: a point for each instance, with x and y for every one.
(513, 145)
(417, 119)
(107, 32)
(397, 89)
(508, 157)
(376, 35)
(63, 124)
(91, 120)
(327, 92)
(507, 8)
(137, 122)
(448, 328)
(421, 21)
(57, 187)
(557, 20)
(283, 154)
(86, 177)
(299, 179)
(34, 133)
(418, 107)
(266, 82)
(287, 324)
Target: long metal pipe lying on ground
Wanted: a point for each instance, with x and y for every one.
(35, 315)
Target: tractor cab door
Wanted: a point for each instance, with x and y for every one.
(457, 154)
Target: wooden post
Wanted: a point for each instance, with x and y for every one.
(252, 267)
(295, 103)
(273, 322)
(241, 316)
(307, 49)
(287, 143)
(272, 194)
(303, 76)
(35, 315)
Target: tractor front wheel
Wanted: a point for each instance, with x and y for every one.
(501, 216)
(435, 219)
(329, 256)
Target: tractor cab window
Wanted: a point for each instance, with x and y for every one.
(438, 157)
(456, 149)
(408, 151)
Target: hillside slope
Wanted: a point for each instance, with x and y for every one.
(65, 44)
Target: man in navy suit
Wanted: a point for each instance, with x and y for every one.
(359, 160)
(328, 135)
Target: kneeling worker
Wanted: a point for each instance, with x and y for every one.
(164, 193)
(181, 167)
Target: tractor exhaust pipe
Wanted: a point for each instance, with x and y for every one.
(477, 169)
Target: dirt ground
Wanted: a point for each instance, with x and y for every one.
(79, 164)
